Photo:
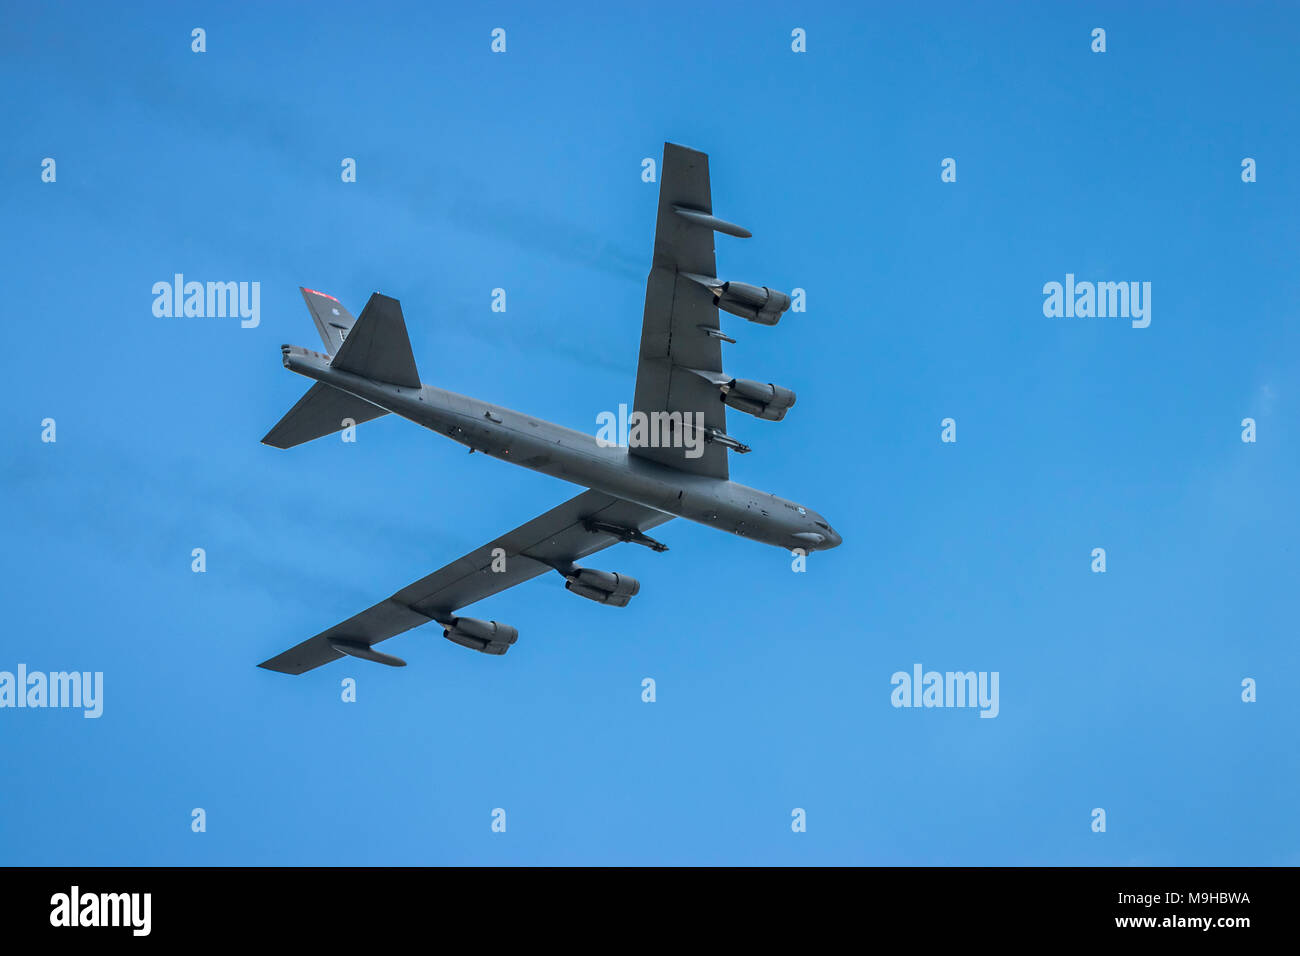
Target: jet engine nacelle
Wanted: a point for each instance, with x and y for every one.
(766, 401)
(486, 636)
(756, 303)
(603, 587)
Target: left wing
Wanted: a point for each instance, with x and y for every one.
(679, 331)
(581, 526)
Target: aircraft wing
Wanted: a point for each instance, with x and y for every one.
(581, 526)
(679, 314)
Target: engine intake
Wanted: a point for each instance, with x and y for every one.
(603, 587)
(767, 401)
(489, 637)
(756, 303)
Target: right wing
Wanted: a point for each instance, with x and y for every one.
(581, 526)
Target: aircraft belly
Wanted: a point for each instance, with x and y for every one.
(574, 457)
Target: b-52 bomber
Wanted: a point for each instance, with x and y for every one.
(368, 370)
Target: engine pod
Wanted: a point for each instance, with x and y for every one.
(603, 587)
(755, 303)
(487, 637)
(767, 401)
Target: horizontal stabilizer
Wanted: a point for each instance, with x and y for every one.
(322, 411)
(378, 347)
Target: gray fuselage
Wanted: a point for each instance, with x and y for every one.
(577, 457)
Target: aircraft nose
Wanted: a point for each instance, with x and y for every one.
(833, 540)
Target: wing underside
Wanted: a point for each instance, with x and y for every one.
(676, 339)
(581, 526)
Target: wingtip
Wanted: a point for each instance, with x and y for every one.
(684, 148)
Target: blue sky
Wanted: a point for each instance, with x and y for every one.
(1119, 690)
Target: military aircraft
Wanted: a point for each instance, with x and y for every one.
(681, 389)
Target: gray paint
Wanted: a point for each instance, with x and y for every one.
(370, 371)
(576, 456)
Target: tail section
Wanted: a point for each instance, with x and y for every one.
(378, 347)
(375, 346)
(333, 322)
(322, 411)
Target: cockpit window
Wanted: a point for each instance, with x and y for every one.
(822, 524)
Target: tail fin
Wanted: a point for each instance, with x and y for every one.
(333, 322)
(322, 411)
(378, 347)
(374, 346)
